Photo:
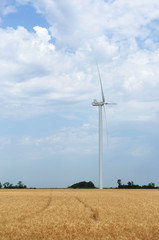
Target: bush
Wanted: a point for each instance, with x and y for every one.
(82, 185)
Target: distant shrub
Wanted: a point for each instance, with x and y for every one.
(83, 185)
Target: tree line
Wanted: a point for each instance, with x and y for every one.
(10, 185)
(131, 185)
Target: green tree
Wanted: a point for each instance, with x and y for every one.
(119, 183)
(7, 185)
(21, 185)
(130, 184)
(0, 185)
(151, 185)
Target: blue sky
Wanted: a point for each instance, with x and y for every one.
(48, 80)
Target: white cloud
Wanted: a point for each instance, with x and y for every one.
(25, 140)
(37, 73)
(76, 23)
(42, 34)
(7, 7)
(72, 22)
(69, 140)
(34, 74)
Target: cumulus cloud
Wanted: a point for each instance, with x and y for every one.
(56, 66)
(74, 24)
(34, 72)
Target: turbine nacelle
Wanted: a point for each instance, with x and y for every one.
(95, 103)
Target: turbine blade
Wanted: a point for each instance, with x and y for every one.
(111, 103)
(103, 98)
(106, 123)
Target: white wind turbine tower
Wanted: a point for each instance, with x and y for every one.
(100, 105)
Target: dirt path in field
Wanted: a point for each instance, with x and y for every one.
(95, 213)
(44, 208)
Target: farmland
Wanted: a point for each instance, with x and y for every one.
(79, 214)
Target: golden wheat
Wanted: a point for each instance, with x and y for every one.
(79, 214)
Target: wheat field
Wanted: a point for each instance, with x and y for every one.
(79, 214)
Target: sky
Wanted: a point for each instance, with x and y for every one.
(49, 78)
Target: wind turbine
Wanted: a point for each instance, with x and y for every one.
(100, 105)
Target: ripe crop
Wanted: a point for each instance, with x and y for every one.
(79, 214)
